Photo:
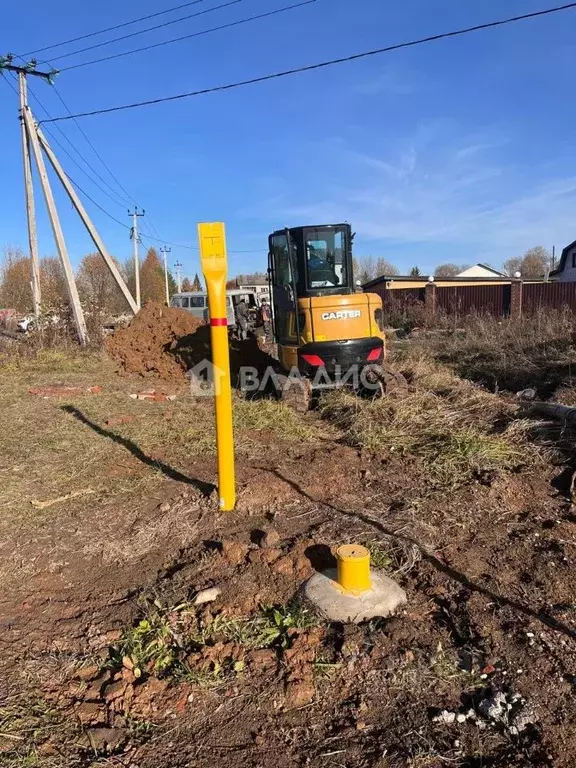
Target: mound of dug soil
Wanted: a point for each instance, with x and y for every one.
(166, 342)
(144, 346)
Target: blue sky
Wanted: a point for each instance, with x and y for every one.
(461, 150)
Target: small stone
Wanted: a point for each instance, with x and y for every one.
(94, 693)
(445, 717)
(234, 552)
(460, 718)
(303, 567)
(360, 725)
(106, 739)
(47, 750)
(261, 660)
(90, 713)
(284, 566)
(300, 693)
(270, 539)
(270, 556)
(86, 674)
(115, 690)
(207, 596)
(164, 507)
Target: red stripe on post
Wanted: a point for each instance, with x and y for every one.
(218, 321)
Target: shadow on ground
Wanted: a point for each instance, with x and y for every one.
(136, 451)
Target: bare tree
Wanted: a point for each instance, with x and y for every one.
(367, 268)
(535, 263)
(97, 287)
(15, 292)
(53, 283)
(447, 270)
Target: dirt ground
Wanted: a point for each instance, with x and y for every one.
(109, 532)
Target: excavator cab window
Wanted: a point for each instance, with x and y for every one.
(325, 258)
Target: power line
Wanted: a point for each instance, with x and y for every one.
(94, 202)
(116, 199)
(91, 145)
(321, 65)
(148, 29)
(194, 34)
(110, 29)
(62, 147)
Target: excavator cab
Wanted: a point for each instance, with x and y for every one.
(323, 328)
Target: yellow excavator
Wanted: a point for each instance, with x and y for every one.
(328, 334)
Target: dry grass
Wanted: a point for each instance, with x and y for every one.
(510, 354)
(122, 450)
(455, 430)
(26, 723)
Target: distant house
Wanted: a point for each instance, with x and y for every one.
(566, 269)
(480, 270)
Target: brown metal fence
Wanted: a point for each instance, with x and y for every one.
(541, 296)
(461, 300)
(499, 300)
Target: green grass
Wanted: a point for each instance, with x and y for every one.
(159, 643)
(379, 557)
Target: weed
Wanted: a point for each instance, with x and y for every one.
(271, 628)
(139, 730)
(159, 643)
(379, 557)
(155, 643)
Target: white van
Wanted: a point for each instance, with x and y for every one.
(197, 304)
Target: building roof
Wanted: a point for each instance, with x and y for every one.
(483, 266)
(424, 279)
(562, 263)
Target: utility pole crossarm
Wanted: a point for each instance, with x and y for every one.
(27, 69)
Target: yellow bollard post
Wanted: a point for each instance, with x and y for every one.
(212, 238)
(353, 569)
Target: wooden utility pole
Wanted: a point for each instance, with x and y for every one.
(136, 239)
(56, 229)
(165, 251)
(30, 207)
(96, 239)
